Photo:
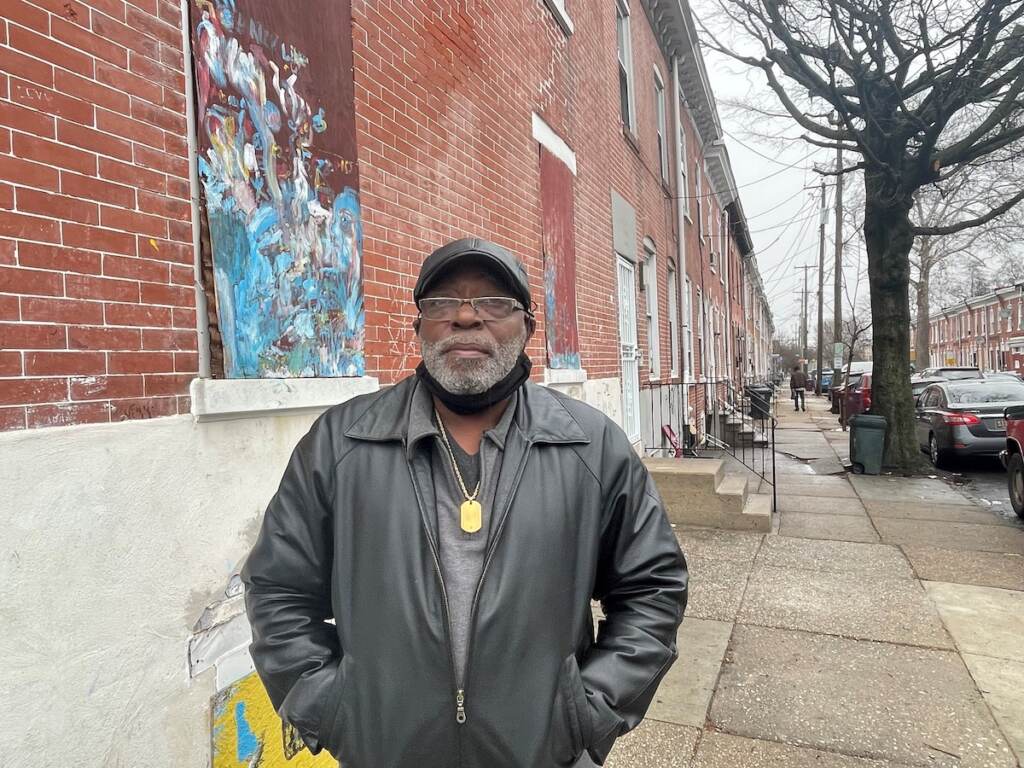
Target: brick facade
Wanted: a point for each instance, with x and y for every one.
(97, 265)
(985, 331)
(97, 319)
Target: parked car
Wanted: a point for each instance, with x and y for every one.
(965, 418)
(812, 379)
(951, 373)
(1013, 457)
(857, 398)
(1009, 375)
(917, 386)
(836, 390)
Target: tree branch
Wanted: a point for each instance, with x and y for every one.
(976, 222)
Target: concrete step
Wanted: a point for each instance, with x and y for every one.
(739, 437)
(758, 512)
(733, 485)
(700, 492)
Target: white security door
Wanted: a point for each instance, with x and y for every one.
(628, 353)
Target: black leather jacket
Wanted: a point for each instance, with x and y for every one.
(351, 534)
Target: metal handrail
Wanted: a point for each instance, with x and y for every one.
(750, 415)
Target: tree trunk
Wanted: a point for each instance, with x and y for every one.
(922, 356)
(888, 236)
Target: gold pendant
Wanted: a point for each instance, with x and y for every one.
(472, 518)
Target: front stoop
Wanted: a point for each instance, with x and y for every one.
(700, 492)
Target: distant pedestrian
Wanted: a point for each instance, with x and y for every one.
(455, 527)
(798, 383)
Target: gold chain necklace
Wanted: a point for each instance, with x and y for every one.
(471, 514)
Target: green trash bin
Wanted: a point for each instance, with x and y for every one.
(867, 443)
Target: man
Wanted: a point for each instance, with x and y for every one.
(798, 383)
(456, 527)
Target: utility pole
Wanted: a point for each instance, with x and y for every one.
(821, 291)
(837, 321)
(803, 315)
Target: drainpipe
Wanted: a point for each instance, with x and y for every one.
(202, 319)
(680, 234)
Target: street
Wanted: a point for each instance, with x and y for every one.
(981, 479)
(984, 480)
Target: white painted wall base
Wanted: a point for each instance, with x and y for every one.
(116, 537)
(603, 394)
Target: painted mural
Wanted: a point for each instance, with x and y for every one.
(247, 733)
(277, 160)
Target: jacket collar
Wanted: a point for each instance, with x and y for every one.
(540, 417)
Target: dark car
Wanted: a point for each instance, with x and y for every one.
(857, 398)
(1013, 458)
(917, 386)
(951, 373)
(839, 384)
(965, 418)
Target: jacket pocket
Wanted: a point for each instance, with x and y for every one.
(331, 725)
(571, 726)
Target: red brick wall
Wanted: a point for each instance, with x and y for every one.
(466, 162)
(97, 318)
(96, 299)
(444, 93)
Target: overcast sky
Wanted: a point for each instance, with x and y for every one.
(782, 215)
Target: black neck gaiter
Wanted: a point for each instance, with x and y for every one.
(467, 404)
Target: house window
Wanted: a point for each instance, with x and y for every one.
(702, 333)
(709, 228)
(684, 187)
(625, 55)
(723, 244)
(659, 108)
(698, 198)
(557, 8)
(651, 292)
(688, 329)
(673, 318)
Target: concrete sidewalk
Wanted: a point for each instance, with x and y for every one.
(881, 623)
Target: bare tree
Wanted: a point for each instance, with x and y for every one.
(916, 90)
(965, 195)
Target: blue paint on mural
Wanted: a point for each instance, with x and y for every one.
(283, 212)
(245, 738)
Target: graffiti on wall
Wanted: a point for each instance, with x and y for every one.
(277, 161)
(247, 733)
(557, 211)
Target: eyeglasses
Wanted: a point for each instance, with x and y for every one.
(486, 307)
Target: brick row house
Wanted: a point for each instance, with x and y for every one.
(212, 215)
(986, 331)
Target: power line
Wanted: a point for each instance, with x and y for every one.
(767, 278)
(791, 221)
(775, 207)
(749, 148)
(783, 232)
(747, 184)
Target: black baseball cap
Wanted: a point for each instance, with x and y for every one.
(506, 267)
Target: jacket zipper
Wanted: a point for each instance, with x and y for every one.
(461, 696)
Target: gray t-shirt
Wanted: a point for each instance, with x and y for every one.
(462, 554)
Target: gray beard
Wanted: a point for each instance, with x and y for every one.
(471, 376)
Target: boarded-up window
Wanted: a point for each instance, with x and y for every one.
(277, 159)
(557, 212)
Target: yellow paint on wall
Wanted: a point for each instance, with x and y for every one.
(247, 732)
